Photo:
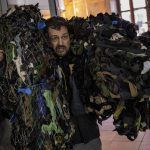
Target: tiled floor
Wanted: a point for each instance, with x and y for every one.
(111, 140)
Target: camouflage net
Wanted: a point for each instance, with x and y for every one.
(120, 66)
(38, 112)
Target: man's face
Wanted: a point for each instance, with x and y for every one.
(1, 55)
(59, 40)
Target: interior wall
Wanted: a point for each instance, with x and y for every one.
(43, 5)
(97, 6)
(69, 9)
(81, 8)
(3, 6)
(113, 6)
(84, 8)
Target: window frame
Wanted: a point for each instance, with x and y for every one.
(132, 9)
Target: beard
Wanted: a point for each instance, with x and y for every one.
(61, 50)
(60, 47)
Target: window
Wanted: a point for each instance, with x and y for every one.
(134, 11)
(124, 4)
(139, 3)
(126, 15)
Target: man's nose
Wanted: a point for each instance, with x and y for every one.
(60, 41)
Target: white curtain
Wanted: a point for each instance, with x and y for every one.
(60, 5)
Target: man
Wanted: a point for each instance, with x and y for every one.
(86, 136)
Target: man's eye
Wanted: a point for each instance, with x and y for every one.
(54, 39)
(65, 37)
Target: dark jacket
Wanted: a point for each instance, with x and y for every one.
(79, 92)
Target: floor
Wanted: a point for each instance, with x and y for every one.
(111, 140)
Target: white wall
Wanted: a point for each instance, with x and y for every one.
(113, 6)
(43, 5)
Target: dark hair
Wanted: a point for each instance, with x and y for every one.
(56, 22)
